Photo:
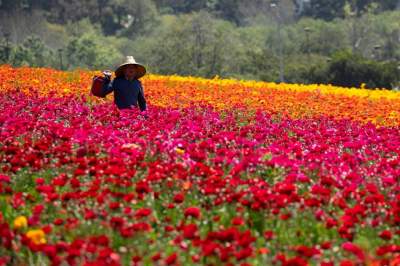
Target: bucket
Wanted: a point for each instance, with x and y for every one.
(97, 86)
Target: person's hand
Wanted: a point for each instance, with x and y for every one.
(144, 114)
(107, 74)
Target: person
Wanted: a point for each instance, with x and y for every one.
(127, 88)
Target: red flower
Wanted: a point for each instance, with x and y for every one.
(386, 235)
(196, 258)
(326, 245)
(142, 212)
(50, 251)
(142, 187)
(244, 253)
(141, 226)
(136, 259)
(89, 215)
(47, 229)
(39, 181)
(354, 249)
(190, 231)
(58, 221)
(193, 212)
(171, 259)
(237, 221)
(179, 198)
(296, 261)
(346, 263)
(209, 248)
(268, 235)
(307, 252)
(114, 205)
(156, 257)
(116, 221)
(168, 228)
(38, 209)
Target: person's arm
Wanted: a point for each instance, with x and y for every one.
(108, 86)
(141, 99)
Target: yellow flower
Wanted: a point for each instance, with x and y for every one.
(20, 222)
(179, 151)
(37, 236)
(130, 146)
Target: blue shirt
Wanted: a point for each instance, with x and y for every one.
(127, 94)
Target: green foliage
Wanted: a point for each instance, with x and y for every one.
(317, 36)
(228, 38)
(352, 70)
(331, 9)
(229, 9)
(195, 44)
(345, 69)
(141, 17)
(32, 52)
(183, 6)
(88, 51)
(5, 50)
(308, 69)
(12, 4)
(361, 6)
(326, 9)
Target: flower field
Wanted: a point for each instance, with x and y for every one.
(218, 172)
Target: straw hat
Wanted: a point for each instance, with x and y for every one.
(141, 70)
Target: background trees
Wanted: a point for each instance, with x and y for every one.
(229, 38)
(326, 10)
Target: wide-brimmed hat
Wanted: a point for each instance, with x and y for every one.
(141, 70)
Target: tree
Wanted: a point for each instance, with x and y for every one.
(88, 51)
(229, 10)
(183, 6)
(37, 50)
(9, 5)
(232, 10)
(194, 44)
(362, 6)
(388, 4)
(325, 9)
(136, 16)
(5, 50)
(32, 52)
(351, 70)
(63, 11)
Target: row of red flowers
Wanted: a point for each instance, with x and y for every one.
(87, 184)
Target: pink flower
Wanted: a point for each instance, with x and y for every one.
(5, 178)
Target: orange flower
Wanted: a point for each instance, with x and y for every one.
(20, 222)
(263, 250)
(187, 185)
(179, 151)
(381, 107)
(37, 236)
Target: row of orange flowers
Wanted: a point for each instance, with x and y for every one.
(380, 107)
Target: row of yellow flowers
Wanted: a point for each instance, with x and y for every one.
(381, 107)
